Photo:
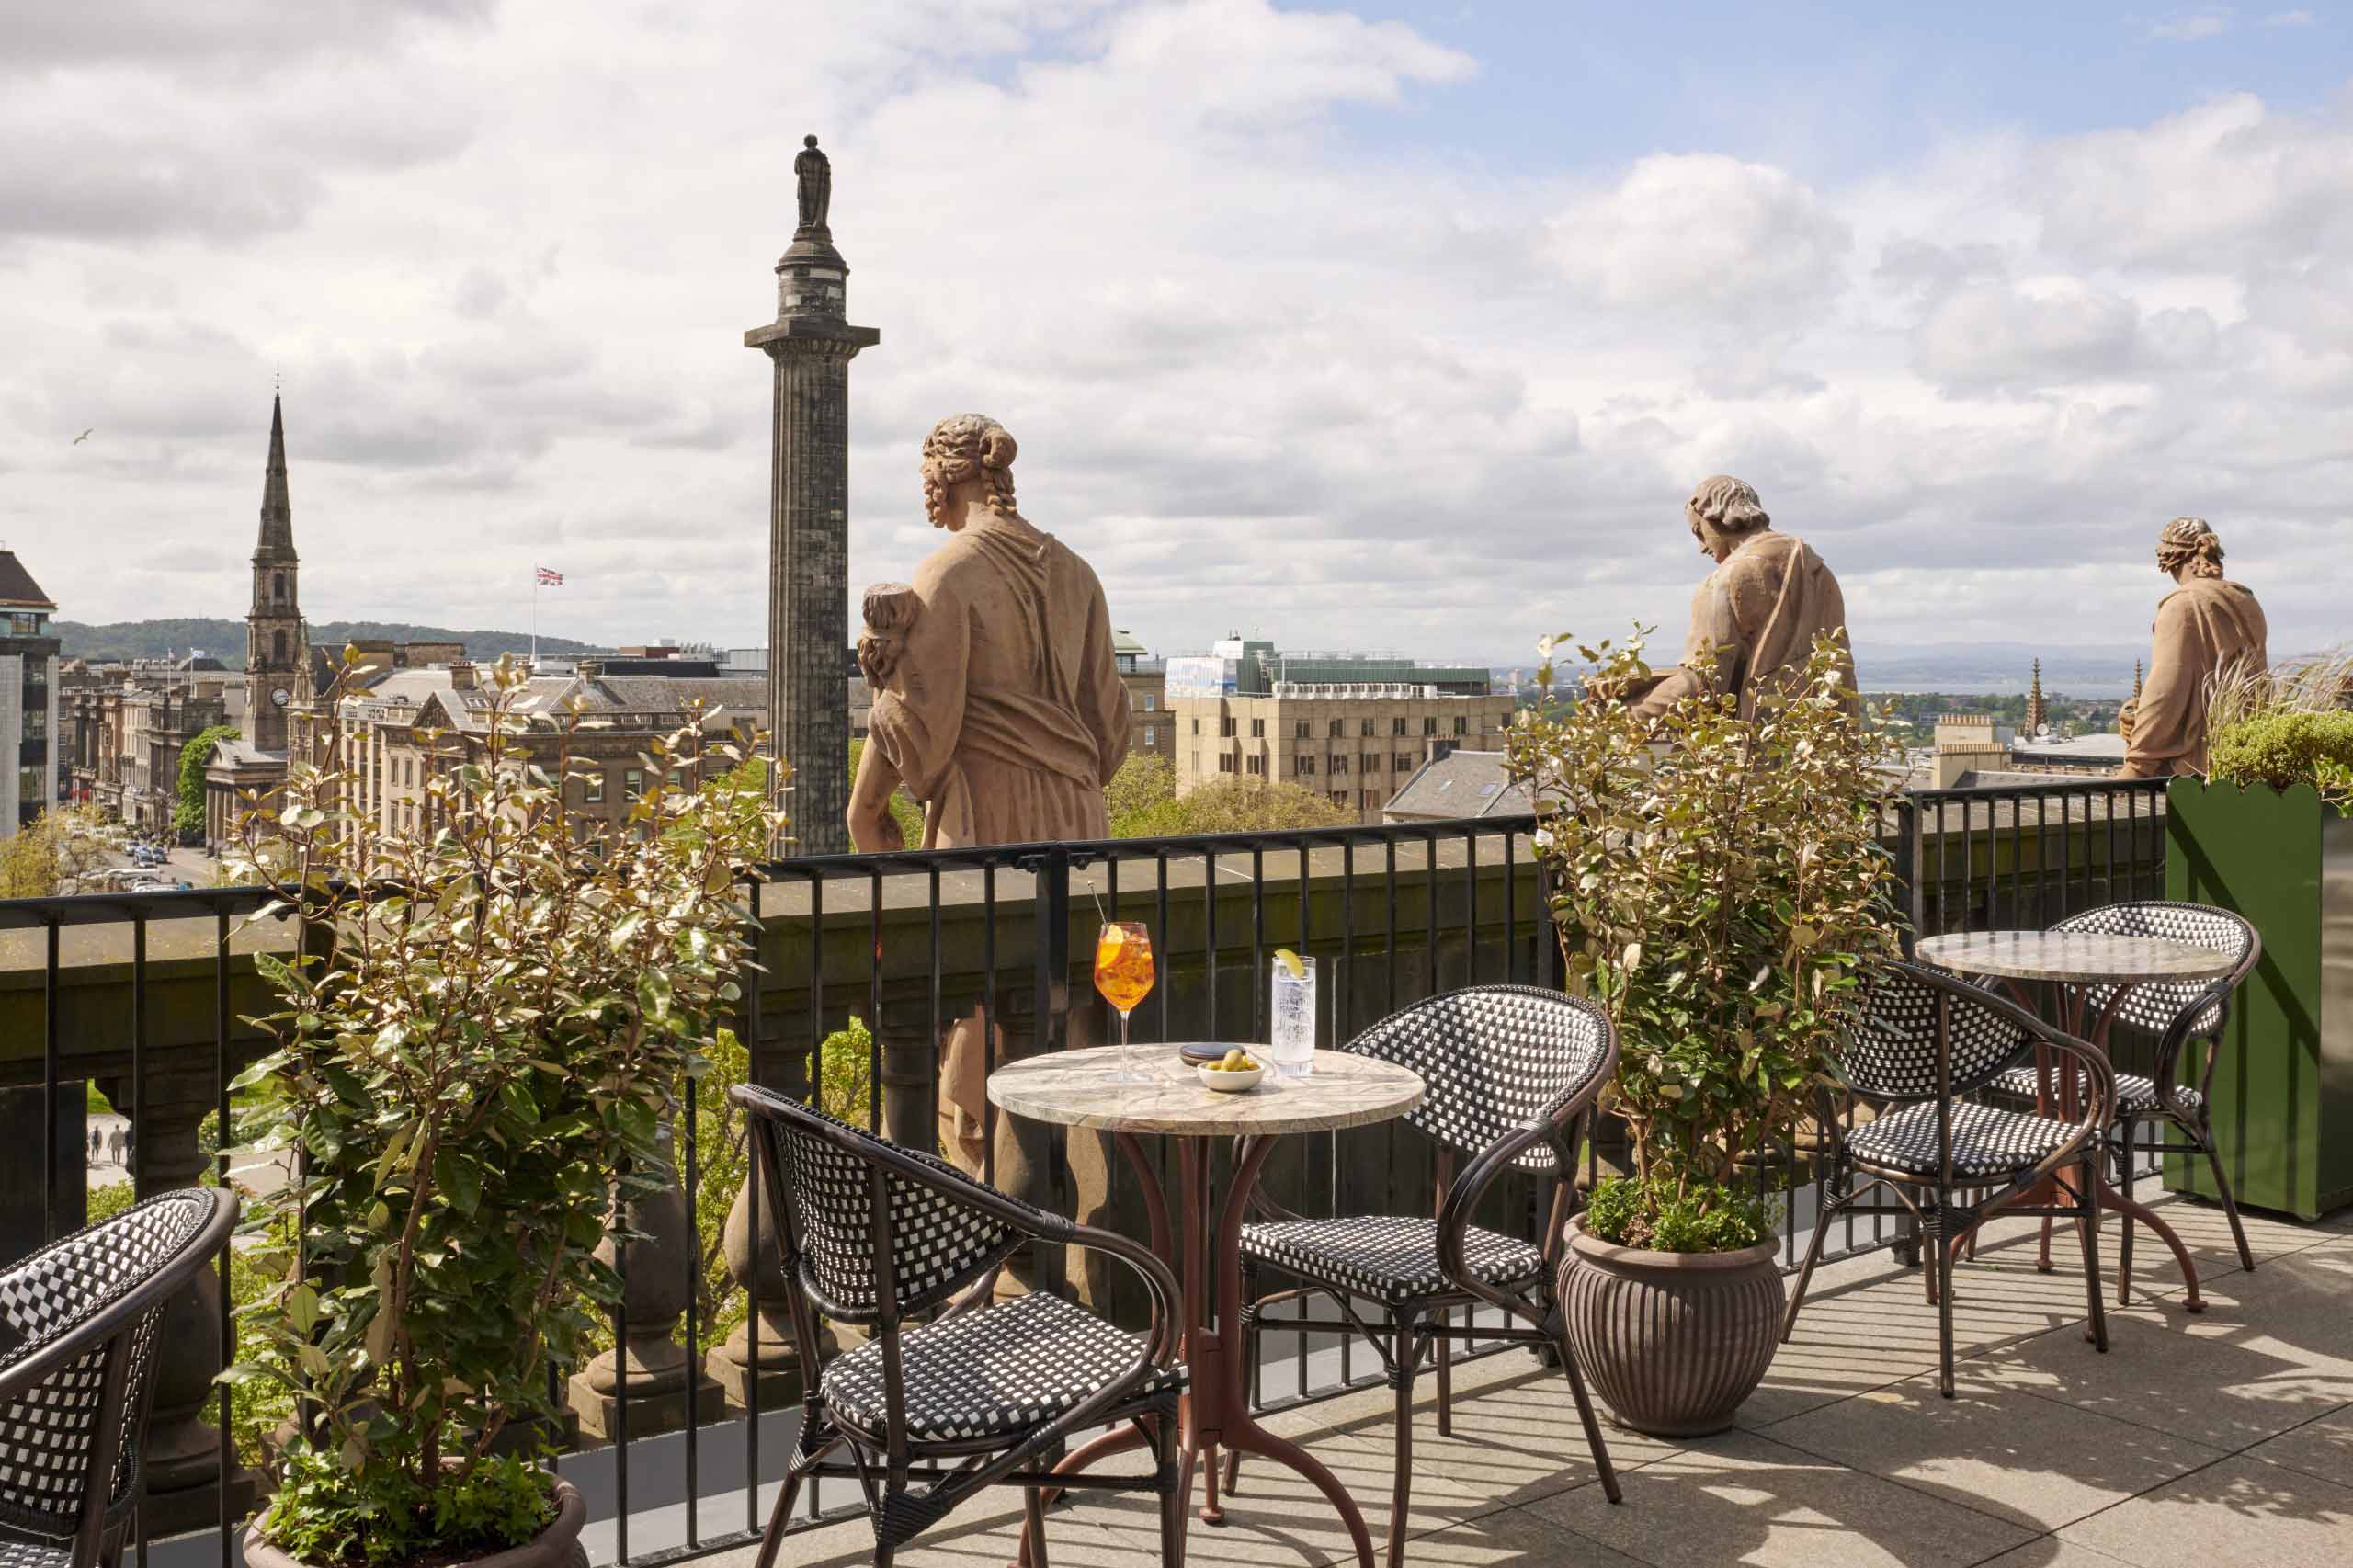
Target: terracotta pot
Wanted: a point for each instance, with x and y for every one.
(558, 1546)
(1673, 1341)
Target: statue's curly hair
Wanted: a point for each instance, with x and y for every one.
(966, 444)
(2190, 541)
(1730, 504)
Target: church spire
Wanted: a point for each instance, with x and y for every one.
(277, 541)
(2037, 713)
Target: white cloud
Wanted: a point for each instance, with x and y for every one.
(1701, 232)
(1359, 388)
(2289, 20)
(2189, 26)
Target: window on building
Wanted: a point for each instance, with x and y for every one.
(1368, 763)
(1365, 728)
(632, 783)
(1197, 726)
(1368, 800)
(592, 788)
(1340, 798)
(1404, 761)
(1299, 729)
(1430, 725)
(1257, 729)
(1339, 765)
(1396, 726)
(1152, 702)
(1339, 728)
(1302, 765)
(1226, 727)
(1225, 762)
(1461, 724)
(278, 584)
(1258, 765)
(278, 647)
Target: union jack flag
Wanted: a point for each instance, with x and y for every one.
(549, 579)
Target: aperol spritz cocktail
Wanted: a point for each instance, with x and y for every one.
(1123, 974)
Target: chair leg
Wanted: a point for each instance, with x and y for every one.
(1941, 1267)
(1033, 1526)
(1608, 1472)
(1805, 1272)
(2087, 1222)
(1173, 1494)
(2204, 1133)
(1446, 1377)
(2125, 1246)
(772, 1539)
(1402, 1367)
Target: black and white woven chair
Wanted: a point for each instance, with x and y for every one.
(982, 1395)
(1512, 1071)
(1925, 1039)
(2178, 1015)
(77, 1335)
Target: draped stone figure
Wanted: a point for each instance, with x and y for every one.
(813, 179)
(997, 699)
(1755, 618)
(2207, 626)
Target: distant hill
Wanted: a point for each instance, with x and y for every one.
(226, 640)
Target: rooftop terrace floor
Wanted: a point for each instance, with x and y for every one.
(2225, 1437)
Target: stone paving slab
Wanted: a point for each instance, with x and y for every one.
(2221, 1437)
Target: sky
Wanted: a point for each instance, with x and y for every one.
(1408, 326)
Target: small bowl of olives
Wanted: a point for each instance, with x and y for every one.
(1232, 1072)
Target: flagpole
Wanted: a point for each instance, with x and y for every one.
(535, 618)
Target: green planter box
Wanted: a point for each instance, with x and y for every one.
(2283, 1084)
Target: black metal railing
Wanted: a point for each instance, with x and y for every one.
(991, 947)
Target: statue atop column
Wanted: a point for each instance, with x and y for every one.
(2207, 626)
(1755, 618)
(812, 172)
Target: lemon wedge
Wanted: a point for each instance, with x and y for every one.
(1289, 960)
(1112, 937)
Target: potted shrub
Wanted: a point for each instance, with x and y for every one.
(2269, 834)
(1718, 883)
(478, 1045)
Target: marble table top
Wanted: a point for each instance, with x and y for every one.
(1070, 1087)
(2089, 957)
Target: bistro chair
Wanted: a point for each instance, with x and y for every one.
(1512, 1071)
(78, 1321)
(2178, 1013)
(981, 1395)
(1926, 1039)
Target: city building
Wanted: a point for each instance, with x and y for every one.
(1460, 784)
(1354, 728)
(27, 696)
(1153, 733)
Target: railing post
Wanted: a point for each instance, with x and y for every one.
(1029, 1160)
(1907, 871)
(657, 1380)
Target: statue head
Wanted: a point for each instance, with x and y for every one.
(1722, 512)
(967, 461)
(2187, 547)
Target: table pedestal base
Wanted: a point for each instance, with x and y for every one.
(1215, 1412)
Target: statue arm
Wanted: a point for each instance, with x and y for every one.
(918, 722)
(1711, 654)
(2168, 721)
(872, 828)
(1103, 703)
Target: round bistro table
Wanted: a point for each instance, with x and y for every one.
(2074, 963)
(1073, 1088)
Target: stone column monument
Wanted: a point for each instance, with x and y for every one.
(810, 343)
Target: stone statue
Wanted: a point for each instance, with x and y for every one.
(997, 699)
(2207, 627)
(1755, 620)
(813, 173)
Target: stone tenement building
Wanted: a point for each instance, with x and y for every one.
(406, 725)
(1351, 728)
(1153, 733)
(27, 696)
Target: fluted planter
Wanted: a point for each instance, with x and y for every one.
(1673, 1341)
(558, 1546)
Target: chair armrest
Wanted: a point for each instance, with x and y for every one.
(1462, 1199)
(2181, 1031)
(2099, 1110)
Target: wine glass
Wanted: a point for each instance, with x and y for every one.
(1123, 974)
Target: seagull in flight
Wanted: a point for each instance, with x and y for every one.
(82, 437)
